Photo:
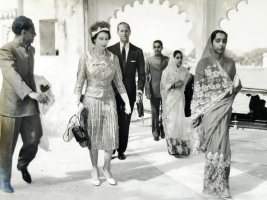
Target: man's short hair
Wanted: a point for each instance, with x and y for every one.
(158, 41)
(124, 23)
(21, 23)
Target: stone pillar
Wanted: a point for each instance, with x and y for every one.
(200, 24)
(92, 18)
(20, 7)
(86, 22)
(205, 24)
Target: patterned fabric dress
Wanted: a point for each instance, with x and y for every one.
(100, 113)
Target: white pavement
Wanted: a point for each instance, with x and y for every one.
(148, 173)
(189, 170)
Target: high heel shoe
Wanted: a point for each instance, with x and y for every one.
(111, 181)
(95, 182)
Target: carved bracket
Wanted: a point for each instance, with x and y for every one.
(10, 14)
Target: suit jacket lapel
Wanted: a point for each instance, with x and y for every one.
(118, 53)
(130, 55)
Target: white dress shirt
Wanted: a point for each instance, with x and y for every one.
(127, 47)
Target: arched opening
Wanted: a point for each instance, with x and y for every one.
(156, 21)
(247, 45)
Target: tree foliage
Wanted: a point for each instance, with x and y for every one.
(253, 57)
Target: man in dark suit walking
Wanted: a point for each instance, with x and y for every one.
(19, 111)
(131, 61)
(154, 67)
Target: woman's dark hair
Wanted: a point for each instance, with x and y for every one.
(176, 52)
(96, 26)
(213, 35)
(21, 23)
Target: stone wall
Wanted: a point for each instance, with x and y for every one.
(59, 70)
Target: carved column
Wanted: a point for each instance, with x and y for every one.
(20, 7)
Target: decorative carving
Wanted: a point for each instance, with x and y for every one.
(10, 14)
(7, 34)
(233, 7)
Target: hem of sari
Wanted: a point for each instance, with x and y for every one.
(178, 146)
(216, 175)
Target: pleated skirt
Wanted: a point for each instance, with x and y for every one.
(100, 121)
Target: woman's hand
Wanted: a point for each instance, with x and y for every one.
(179, 84)
(77, 100)
(127, 109)
(196, 122)
(239, 87)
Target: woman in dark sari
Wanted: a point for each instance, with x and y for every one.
(215, 87)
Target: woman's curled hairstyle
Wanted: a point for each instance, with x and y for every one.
(98, 27)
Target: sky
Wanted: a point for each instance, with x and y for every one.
(159, 22)
(247, 27)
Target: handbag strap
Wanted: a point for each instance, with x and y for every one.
(72, 118)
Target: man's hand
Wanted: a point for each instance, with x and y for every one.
(139, 92)
(41, 98)
(127, 109)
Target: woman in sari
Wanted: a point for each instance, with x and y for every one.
(216, 85)
(173, 82)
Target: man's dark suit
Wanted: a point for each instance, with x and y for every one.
(18, 112)
(135, 63)
(188, 93)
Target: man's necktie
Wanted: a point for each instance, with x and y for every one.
(123, 54)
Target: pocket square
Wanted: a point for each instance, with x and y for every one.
(133, 60)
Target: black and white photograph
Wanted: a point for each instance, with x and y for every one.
(133, 99)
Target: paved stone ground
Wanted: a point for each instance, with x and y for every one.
(149, 172)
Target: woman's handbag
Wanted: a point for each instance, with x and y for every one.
(79, 133)
(74, 129)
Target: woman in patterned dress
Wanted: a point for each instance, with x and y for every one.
(172, 86)
(98, 68)
(216, 85)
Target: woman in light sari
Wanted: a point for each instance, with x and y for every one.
(216, 85)
(173, 82)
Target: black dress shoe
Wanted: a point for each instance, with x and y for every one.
(156, 138)
(26, 176)
(162, 135)
(6, 187)
(121, 156)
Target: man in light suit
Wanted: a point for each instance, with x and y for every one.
(154, 68)
(131, 61)
(19, 111)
